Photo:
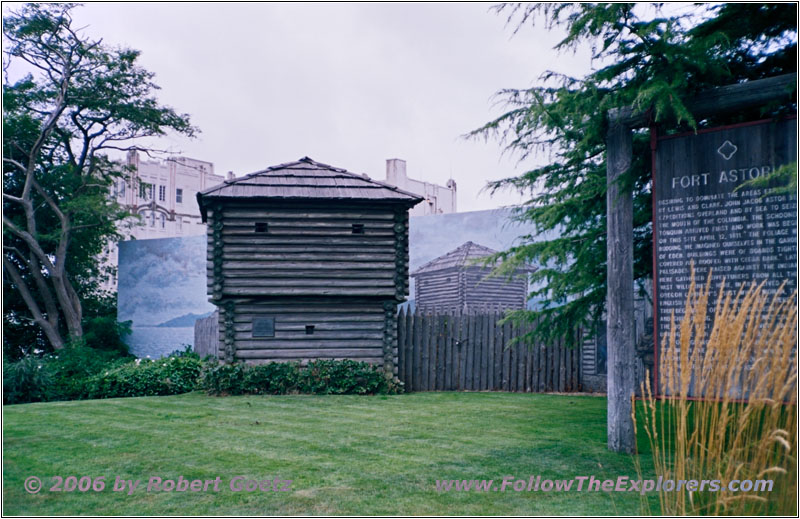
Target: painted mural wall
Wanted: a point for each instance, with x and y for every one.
(162, 282)
(162, 289)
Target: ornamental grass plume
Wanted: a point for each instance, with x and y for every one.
(727, 408)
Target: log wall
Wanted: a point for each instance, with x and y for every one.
(468, 289)
(304, 251)
(342, 329)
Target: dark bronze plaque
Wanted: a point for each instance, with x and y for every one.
(264, 327)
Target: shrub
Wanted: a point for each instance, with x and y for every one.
(744, 365)
(321, 377)
(275, 378)
(340, 377)
(25, 380)
(70, 368)
(167, 376)
(223, 379)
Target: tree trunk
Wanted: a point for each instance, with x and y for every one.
(619, 308)
(50, 330)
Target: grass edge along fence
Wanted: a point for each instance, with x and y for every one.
(745, 427)
(475, 352)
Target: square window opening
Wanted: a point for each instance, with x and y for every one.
(358, 228)
(309, 329)
(262, 227)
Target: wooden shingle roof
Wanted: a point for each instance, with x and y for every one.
(465, 255)
(458, 258)
(307, 179)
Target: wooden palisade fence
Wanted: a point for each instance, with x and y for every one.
(206, 335)
(451, 352)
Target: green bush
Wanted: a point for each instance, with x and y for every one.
(223, 379)
(321, 377)
(275, 378)
(78, 372)
(342, 377)
(71, 367)
(25, 380)
(143, 377)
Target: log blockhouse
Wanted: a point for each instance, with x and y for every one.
(307, 261)
(460, 281)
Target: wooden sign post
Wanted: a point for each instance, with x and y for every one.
(620, 363)
(619, 303)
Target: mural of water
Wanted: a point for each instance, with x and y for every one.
(158, 341)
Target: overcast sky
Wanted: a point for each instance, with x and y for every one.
(345, 84)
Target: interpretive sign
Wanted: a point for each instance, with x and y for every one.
(703, 213)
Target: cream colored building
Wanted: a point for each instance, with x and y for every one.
(163, 194)
(438, 199)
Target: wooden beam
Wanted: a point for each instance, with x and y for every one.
(619, 307)
(720, 100)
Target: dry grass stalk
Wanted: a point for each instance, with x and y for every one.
(745, 425)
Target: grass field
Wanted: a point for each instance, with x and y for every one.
(344, 454)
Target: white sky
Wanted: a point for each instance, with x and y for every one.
(345, 84)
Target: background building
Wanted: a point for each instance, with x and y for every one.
(437, 199)
(457, 281)
(163, 194)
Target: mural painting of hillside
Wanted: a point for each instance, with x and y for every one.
(162, 282)
(162, 289)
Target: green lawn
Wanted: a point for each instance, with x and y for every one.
(345, 454)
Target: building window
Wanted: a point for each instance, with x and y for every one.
(163, 221)
(150, 192)
(122, 188)
(142, 191)
(262, 227)
(179, 196)
(358, 228)
(309, 329)
(162, 193)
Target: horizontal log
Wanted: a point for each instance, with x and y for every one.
(282, 325)
(377, 274)
(321, 256)
(306, 357)
(308, 282)
(438, 289)
(347, 240)
(306, 265)
(346, 322)
(305, 248)
(324, 336)
(311, 230)
(287, 291)
(235, 212)
(303, 362)
(305, 223)
(721, 100)
(292, 309)
(311, 346)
